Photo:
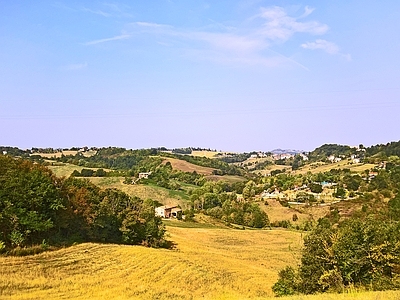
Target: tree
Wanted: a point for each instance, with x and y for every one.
(352, 182)
(340, 192)
(315, 187)
(249, 190)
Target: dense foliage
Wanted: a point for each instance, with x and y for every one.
(357, 253)
(35, 205)
(326, 150)
(388, 149)
(217, 200)
(362, 250)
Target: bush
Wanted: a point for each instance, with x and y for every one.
(287, 282)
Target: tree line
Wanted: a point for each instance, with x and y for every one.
(35, 205)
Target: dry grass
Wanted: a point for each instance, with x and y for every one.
(325, 167)
(227, 178)
(49, 155)
(208, 154)
(139, 190)
(267, 171)
(277, 212)
(207, 263)
(185, 166)
(65, 169)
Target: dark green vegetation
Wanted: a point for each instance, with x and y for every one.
(36, 207)
(362, 250)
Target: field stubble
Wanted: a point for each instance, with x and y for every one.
(206, 263)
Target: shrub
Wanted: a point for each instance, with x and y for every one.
(287, 282)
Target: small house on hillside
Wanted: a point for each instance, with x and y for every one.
(168, 211)
(144, 175)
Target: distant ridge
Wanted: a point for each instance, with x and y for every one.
(289, 151)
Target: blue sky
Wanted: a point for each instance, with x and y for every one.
(231, 75)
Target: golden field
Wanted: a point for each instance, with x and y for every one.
(325, 167)
(185, 166)
(206, 263)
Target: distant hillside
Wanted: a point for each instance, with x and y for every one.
(327, 150)
(286, 151)
(389, 149)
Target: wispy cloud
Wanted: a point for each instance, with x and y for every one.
(279, 26)
(74, 67)
(97, 12)
(152, 25)
(115, 38)
(328, 47)
(307, 11)
(250, 44)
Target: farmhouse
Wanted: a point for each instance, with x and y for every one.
(144, 175)
(168, 211)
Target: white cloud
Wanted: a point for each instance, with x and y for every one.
(244, 45)
(115, 38)
(280, 26)
(151, 25)
(328, 47)
(307, 11)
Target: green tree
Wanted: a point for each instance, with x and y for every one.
(249, 190)
(315, 187)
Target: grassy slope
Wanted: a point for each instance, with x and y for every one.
(324, 167)
(65, 169)
(277, 212)
(207, 263)
(185, 166)
(160, 194)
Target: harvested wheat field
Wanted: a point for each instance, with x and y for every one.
(206, 263)
(185, 166)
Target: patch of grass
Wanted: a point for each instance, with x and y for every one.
(185, 166)
(227, 178)
(206, 263)
(65, 169)
(142, 191)
(205, 153)
(183, 224)
(325, 167)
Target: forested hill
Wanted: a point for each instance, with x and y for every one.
(326, 150)
(389, 149)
